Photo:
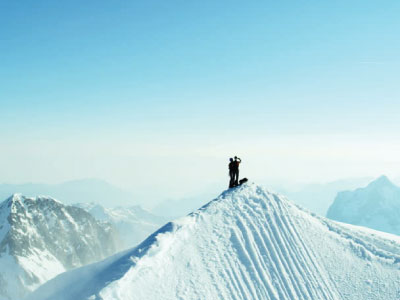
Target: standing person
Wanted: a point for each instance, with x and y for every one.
(236, 163)
(231, 172)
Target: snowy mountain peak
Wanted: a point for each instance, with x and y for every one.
(14, 198)
(18, 199)
(375, 206)
(382, 182)
(246, 244)
(40, 238)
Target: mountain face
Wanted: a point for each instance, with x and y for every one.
(318, 197)
(246, 244)
(133, 223)
(40, 238)
(376, 206)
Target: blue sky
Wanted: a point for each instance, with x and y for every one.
(113, 89)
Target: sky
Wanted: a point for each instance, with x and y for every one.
(155, 96)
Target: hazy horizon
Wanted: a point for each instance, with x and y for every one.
(299, 192)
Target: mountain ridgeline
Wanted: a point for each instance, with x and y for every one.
(246, 244)
(41, 237)
(75, 191)
(376, 206)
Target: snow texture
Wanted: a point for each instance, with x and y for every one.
(41, 238)
(246, 244)
(376, 206)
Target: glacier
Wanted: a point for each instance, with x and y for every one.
(246, 244)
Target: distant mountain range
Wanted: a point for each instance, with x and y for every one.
(175, 208)
(76, 191)
(376, 206)
(318, 197)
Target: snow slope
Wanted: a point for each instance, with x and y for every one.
(246, 244)
(41, 238)
(133, 223)
(376, 206)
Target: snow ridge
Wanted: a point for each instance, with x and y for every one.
(246, 244)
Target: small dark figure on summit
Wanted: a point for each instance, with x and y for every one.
(236, 163)
(231, 173)
(234, 171)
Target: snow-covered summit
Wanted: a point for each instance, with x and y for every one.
(41, 237)
(375, 206)
(246, 244)
(381, 182)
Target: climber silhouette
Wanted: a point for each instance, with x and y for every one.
(231, 172)
(236, 163)
(234, 171)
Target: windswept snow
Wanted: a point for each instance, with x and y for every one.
(246, 244)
